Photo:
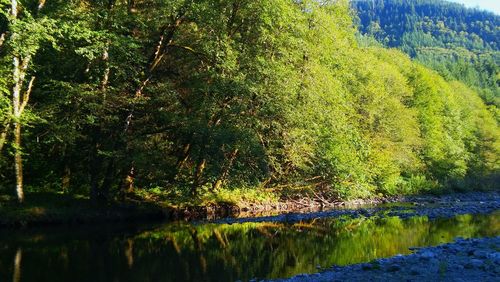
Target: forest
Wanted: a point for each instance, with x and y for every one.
(458, 42)
(246, 100)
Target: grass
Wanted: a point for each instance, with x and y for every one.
(181, 198)
(240, 197)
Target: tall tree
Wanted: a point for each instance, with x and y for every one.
(25, 37)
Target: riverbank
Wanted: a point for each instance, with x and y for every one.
(49, 209)
(444, 206)
(41, 209)
(464, 260)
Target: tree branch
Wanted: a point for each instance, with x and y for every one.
(2, 39)
(22, 70)
(105, 59)
(13, 8)
(3, 135)
(159, 53)
(41, 4)
(160, 50)
(186, 48)
(169, 37)
(26, 95)
(25, 63)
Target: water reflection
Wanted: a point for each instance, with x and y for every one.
(17, 266)
(220, 252)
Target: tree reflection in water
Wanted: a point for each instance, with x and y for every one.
(222, 252)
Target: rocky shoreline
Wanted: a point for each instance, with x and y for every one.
(81, 212)
(464, 260)
(445, 206)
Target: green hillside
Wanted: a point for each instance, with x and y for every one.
(460, 43)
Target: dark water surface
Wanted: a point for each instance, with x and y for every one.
(220, 252)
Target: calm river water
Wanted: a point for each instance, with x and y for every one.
(219, 252)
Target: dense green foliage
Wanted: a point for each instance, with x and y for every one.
(460, 43)
(195, 96)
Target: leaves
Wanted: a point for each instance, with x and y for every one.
(192, 94)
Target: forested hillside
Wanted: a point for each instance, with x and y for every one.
(187, 98)
(460, 43)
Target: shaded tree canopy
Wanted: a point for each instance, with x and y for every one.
(197, 96)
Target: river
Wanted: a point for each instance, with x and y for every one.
(204, 251)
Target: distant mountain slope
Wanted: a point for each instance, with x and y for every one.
(459, 42)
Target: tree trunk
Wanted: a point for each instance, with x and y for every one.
(225, 171)
(128, 186)
(129, 253)
(20, 66)
(181, 160)
(197, 175)
(108, 180)
(18, 163)
(66, 179)
(94, 169)
(16, 104)
(100, 191)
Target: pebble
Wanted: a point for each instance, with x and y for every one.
(495, 257)
(367, 266)
(394, 268)
(427, 255)
(480, 254)
(474, 263)
(415, 271)
(433, 261)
